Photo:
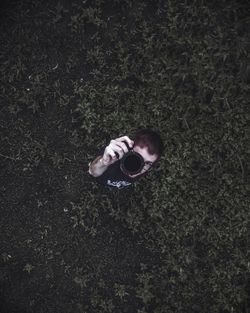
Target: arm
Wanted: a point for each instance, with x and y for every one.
(97, 168)
(113, 152)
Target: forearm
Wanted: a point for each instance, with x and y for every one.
(97, 168)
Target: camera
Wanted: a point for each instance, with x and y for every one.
(132, 162)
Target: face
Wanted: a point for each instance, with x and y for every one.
(147, 158)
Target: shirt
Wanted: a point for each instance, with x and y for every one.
(114, 177)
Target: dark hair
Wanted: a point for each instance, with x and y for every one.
(151, 139)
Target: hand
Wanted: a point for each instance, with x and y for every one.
(116, 146)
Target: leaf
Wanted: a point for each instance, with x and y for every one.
(28, 268)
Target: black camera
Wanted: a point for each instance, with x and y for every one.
(132, 162)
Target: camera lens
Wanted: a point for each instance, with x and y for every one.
(132, 163)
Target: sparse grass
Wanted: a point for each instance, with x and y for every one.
(74, 76)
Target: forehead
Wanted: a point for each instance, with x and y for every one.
(144, 153)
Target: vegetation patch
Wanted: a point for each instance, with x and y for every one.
(76, 74)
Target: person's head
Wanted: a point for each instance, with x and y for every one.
(149, 145)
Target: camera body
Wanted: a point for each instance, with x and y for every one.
(132, 162)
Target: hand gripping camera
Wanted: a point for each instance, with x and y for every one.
(132, 162)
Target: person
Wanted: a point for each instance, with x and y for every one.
(106, 167)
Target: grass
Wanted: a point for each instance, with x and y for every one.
(73, 77)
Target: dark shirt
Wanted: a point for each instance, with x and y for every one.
(114, 177)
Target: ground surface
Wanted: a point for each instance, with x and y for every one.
(75, 74)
